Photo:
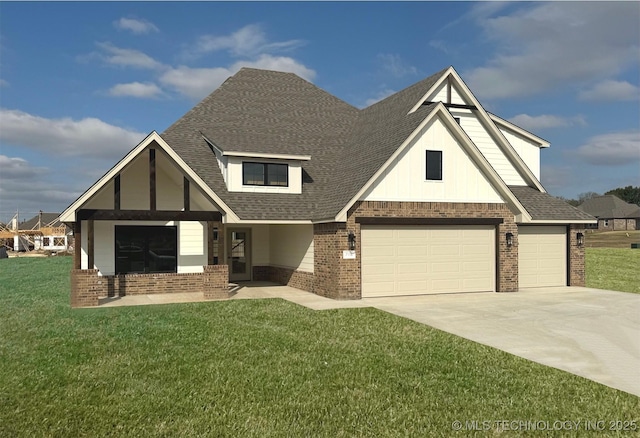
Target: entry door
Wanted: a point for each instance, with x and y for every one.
(239, 254)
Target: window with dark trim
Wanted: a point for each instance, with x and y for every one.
(146, 249)
(265, 174)
(434, 165)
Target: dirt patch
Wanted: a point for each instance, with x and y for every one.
(611, 239)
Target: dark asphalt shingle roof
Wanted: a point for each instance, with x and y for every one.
(48, 220)
(263, 111)
(543, 206)
(273, 112)
(610, 207)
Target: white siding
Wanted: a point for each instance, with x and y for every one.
(169, 184)
(134, 184)
(440, 95)
(405, 180)
(192, 248)
(260, 245)
(234, 176)
(489, 148)
(528, 150)
(103, 199)
(291, 246)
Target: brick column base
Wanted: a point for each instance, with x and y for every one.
(84, 288)
(215, 282)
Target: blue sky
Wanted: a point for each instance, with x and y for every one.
(82, 83)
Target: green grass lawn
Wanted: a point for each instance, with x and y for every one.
(613, 269)
(258, 368)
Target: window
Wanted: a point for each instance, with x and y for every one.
(146, 249)
(434, 165)
(265, 174)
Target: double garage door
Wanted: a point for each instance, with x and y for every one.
(412, 260)
(542, 256)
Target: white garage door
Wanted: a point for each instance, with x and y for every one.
(412, 260)
(542, 256)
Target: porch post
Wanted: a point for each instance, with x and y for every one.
(77, 245)
(90, 244)
(211, 243)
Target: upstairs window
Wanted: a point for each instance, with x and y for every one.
(265, 174)
(434, 166)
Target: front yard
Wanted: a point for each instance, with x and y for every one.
(257, 368)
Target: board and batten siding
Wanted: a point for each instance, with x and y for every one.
(528, 150)
(489, 148)
(291, 246)
(405, 179)
(441, 95)
(192, 248)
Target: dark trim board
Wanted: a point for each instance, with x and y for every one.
(147, 215)
(428, 221)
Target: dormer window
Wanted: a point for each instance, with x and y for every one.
(265, 174)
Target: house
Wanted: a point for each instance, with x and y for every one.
(272, 178)
(42, 232)
(612, 213)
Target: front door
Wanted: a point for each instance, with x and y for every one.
(239, 254)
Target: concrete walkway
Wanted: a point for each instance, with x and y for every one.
(588, 332)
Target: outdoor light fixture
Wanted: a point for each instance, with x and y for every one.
(580, 239)
(352, 241)
(509, 240)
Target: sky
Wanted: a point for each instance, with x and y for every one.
(82, 83)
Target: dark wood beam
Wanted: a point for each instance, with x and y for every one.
(429, 221)
(452, 105)
(116, 192)
(152, 179)
(187, 197)
(90, 244)
(148, 215)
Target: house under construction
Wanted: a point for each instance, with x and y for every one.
(41, 232)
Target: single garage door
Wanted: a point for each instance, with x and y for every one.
(413, 260)
(542, 256)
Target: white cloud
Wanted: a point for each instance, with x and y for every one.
(136, 89)
(611, 90)
(17, 168)
(546, 45)
(127, 57)
(3, 83)
(382, 94)
(197, 83)
(137, 26)
(395, 65)
(613, 149)
(247, 41)
(89, 137)
(546, 121)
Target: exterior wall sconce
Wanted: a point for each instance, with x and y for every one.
(580, 239)
(509, 239)
(352, 241)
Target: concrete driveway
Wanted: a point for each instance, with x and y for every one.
(589, 332)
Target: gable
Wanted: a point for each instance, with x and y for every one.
(405, 178)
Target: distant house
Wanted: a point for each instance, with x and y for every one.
(270, 178)
(43, 231)
(612, 213)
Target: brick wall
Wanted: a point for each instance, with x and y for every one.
(340, 278)
(87, 286)
(287, 276)
(576, 257)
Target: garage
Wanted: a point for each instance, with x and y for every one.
(414, 260)
(542, 256)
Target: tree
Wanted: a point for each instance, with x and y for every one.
(573, 202)
(586, 196)
(628, 194)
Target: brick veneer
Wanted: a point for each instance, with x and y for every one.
(576, 257)
(87, 286)
(287, 276)
(340, 278)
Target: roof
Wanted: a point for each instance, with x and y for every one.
(48, 220)
(545, 207)
(610, 207)
(268, 111)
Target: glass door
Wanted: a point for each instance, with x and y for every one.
(239, 254)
